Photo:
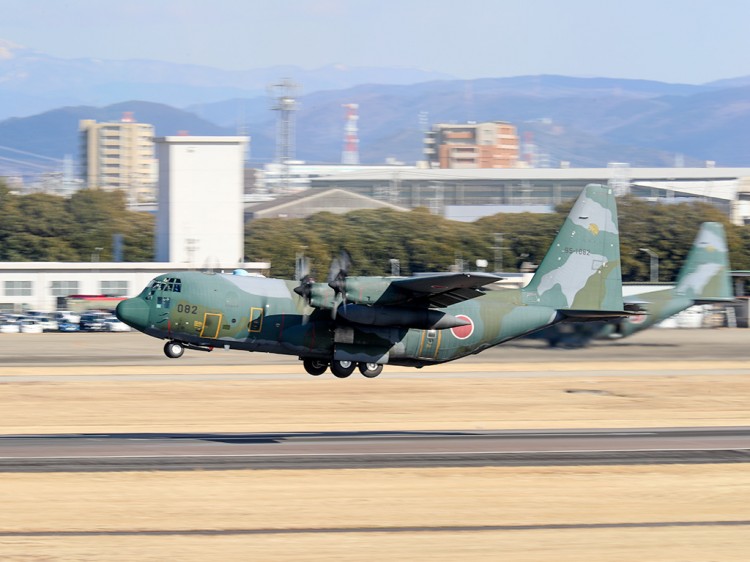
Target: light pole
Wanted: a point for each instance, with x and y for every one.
(654, 264)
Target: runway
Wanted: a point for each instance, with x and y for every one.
(234, 410)
(388, 449)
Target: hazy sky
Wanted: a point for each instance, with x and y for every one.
(690, 41)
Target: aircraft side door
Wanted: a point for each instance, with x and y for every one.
(429, 344)
(255, 325)
(211, 325)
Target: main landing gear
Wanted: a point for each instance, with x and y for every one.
(341, 369)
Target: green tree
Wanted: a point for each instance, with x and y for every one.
(41, 230)
(424, 242)
(42, 227)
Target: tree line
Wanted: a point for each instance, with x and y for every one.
(425, 242)
(42, 227)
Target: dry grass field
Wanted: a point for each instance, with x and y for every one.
(341, 511)
(332, 500)
(562, 400)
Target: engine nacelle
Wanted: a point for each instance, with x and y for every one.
(371, 290)
(321, 296)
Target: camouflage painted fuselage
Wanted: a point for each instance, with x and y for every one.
(261, 314)
(380, 320)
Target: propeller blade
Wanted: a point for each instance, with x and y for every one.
(337, 279)
(339, 270)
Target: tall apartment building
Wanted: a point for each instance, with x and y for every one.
(472, 145)
(119, 155)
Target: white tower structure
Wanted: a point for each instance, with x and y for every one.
(350, 154)
(284, 96)
(200, 221)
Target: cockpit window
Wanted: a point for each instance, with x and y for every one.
(167, 284)
(172, 284)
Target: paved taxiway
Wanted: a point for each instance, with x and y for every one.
(371, 449)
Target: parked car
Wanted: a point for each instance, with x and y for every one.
(67, 316)
(30, 326)
(114, 325)
(65, 326)
(11, 323)
(92, 322)
(48, 322)
(9, 328)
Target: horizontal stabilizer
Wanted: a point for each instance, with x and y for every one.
(713, 300)
(594, 315)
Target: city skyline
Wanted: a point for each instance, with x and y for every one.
(664, 41)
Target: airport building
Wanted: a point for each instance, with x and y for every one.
(472, 193)
(38, 285)
(119, 155)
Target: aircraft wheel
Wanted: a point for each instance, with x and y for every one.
(315, 367)
(342, 369)
(370, 370)
(173, 349)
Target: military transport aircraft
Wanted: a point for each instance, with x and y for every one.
(365, 322)
(703, 279)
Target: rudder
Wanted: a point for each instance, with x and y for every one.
(705, 274)
(581, 270)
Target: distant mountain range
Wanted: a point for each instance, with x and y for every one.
(32, 82)
(584, 121)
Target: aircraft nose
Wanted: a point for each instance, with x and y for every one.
(134, 312)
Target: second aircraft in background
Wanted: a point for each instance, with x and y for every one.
(703, 279)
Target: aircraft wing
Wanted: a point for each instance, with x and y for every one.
(443, 289)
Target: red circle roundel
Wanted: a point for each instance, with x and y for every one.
(637, 319)
(463, 332)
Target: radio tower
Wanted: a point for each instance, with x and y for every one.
(285, 102)
(350, 154)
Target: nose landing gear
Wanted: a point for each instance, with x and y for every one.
(173, 349)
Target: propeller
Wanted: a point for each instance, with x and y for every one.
(338, 271)
(337, 279)
(304, 277)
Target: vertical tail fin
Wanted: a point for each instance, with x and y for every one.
(705, 273)
(581, 270)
